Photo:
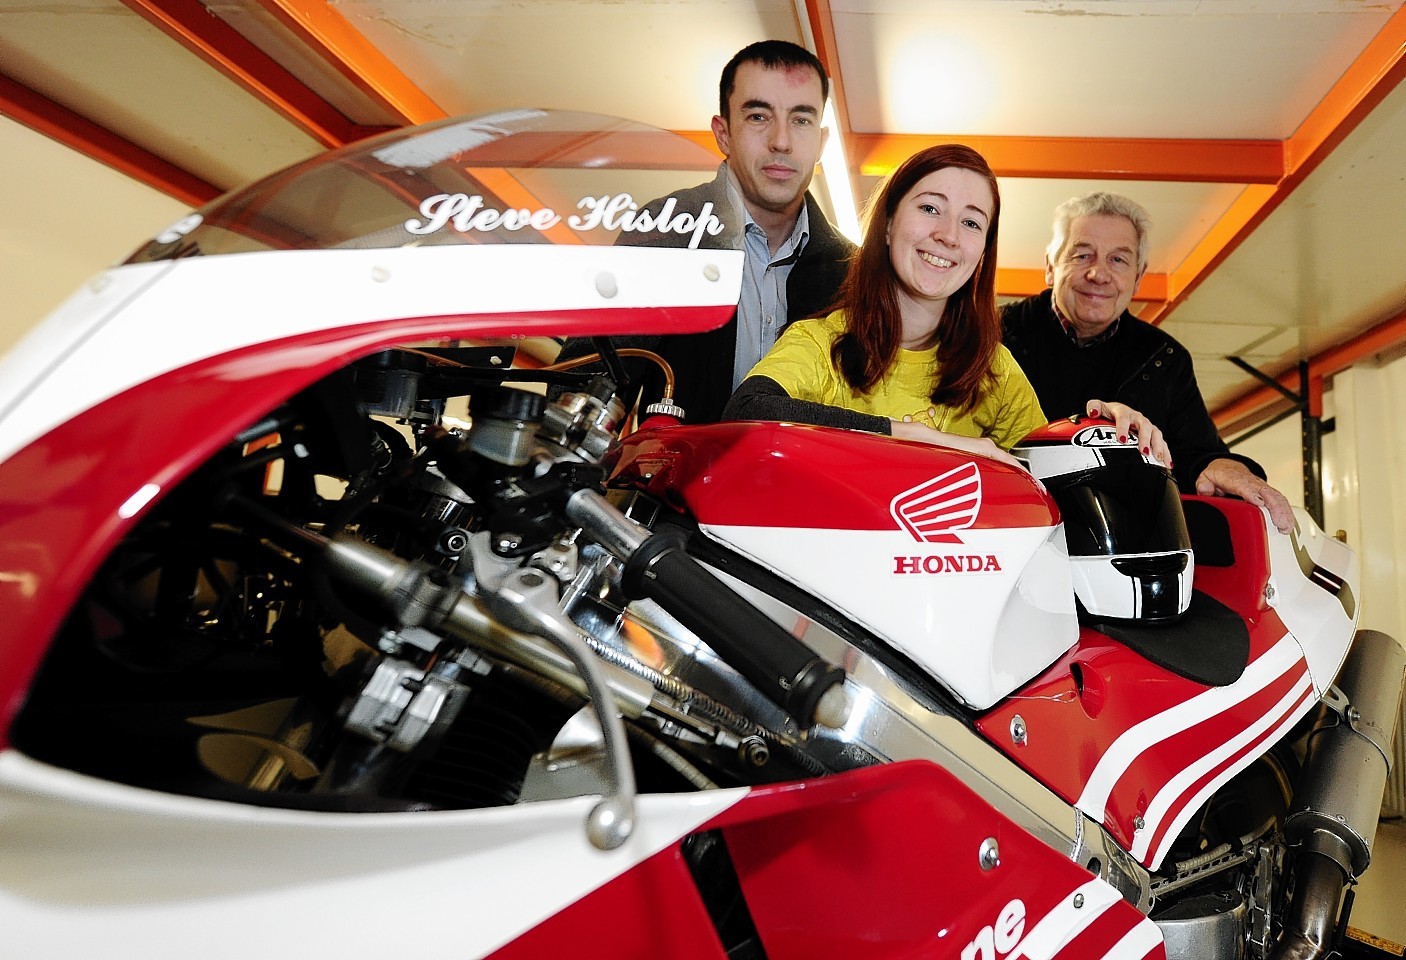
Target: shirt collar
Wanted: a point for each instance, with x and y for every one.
(1072, 332)
(789, 251)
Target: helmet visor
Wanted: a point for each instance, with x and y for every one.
(1120, 509)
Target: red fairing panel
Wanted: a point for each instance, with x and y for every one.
(68, 496)
(651, 912)
(877, 864)
(1173, 737)
(1139, 747)
(761, 474)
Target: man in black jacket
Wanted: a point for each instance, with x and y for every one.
(771, 96)
(1077, 340)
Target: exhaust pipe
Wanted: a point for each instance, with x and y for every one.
(1333, 822)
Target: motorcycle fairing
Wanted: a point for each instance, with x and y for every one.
(885, 862)
(1313, 587)
(69, 493)
(170, 322)
(521, 212)
(879, 863)
(900, 536)
(1150, 746)
(103, 864)
(1131, 742)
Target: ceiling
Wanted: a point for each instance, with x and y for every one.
(1265, 137)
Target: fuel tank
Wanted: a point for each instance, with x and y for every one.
(956, 560)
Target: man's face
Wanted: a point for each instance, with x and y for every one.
(1096, 273)
(771, 135)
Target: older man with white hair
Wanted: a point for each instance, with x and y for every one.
(1077, 340)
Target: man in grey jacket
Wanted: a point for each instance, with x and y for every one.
(771, 97)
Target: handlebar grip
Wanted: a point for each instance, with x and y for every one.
(783, 668)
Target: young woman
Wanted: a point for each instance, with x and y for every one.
(914, 348)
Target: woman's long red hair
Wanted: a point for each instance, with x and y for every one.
(971, 328)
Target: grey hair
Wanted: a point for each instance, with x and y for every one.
(1095, 205)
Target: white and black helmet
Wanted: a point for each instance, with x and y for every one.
(1128, 544)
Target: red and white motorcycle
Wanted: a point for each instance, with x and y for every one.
(337, 624)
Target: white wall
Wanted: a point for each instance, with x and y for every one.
(66, 217)
(1363, 459)
(1363, 488)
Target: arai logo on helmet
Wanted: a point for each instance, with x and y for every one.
(1106, 435)
(1102, 435)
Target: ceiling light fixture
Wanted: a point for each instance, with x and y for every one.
(836, 169)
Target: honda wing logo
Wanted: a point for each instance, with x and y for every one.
(935, 508)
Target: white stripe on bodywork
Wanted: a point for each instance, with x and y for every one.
(1066, 921)
(1136, 740)
(1278, 718)
(1137, 942)
(202, 307)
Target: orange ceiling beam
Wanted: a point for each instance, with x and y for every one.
(1019, 282)
(204, 34)
(1264, 401)
(819, 23)
(1374, 74)
(1092, 158)
(1223, 235)
(328, 34)
(57, 122)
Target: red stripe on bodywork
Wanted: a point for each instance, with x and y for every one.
(1233, 764)
(1071, 725)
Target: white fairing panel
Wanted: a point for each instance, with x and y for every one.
(95, 869)
(983, 615)
(134, 330)
(1314, 586)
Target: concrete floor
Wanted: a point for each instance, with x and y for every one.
(1381, 896)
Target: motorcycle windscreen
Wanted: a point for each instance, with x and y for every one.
(532, 225)
(520, 177)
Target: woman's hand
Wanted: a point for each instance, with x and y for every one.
(1129, 423)
(979, 446)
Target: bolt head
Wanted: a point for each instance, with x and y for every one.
(989, 855)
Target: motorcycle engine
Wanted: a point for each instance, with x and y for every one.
(406, 588)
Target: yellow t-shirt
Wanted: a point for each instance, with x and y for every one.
(800, 363)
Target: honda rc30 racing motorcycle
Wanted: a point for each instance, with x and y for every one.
(339, 622)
